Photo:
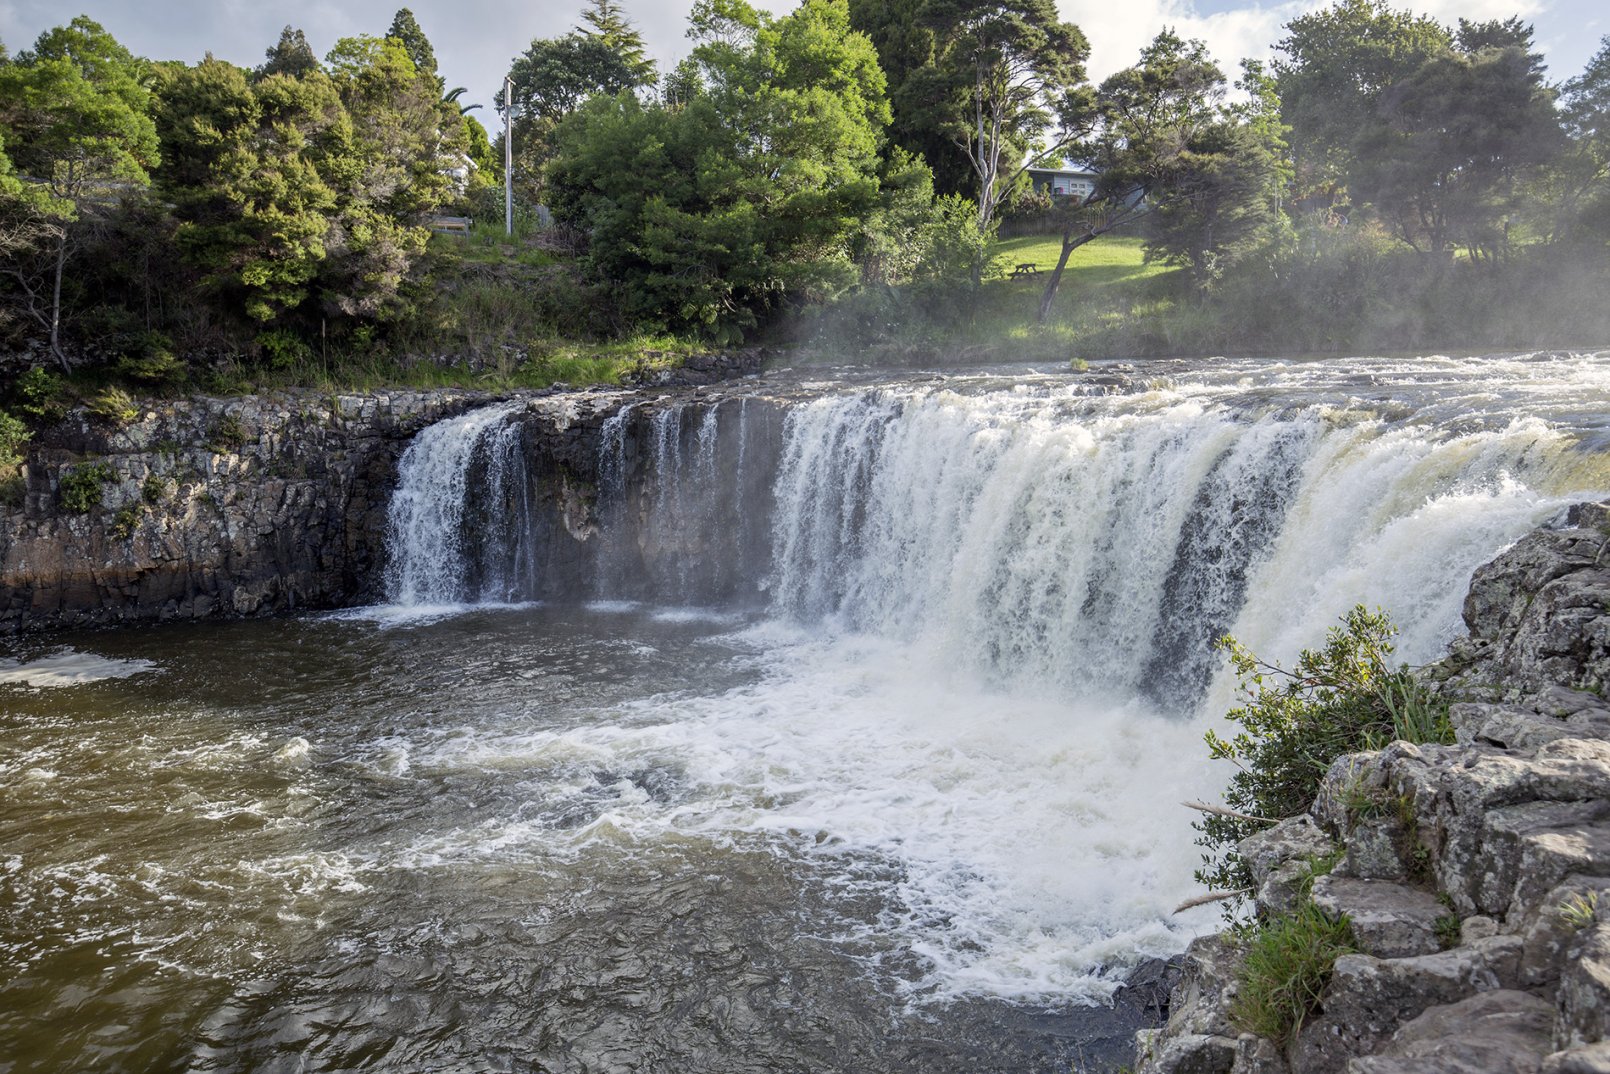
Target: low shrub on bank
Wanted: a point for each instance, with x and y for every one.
(1340, 699)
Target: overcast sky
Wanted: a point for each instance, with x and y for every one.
(476, 39)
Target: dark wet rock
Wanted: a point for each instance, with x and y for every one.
(212, 507)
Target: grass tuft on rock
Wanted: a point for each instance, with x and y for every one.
(1287, 966)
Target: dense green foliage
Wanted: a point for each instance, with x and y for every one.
(705, 214)
(835, 176)
(1337, 700)
(81, 486)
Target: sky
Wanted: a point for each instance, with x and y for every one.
(475, 40)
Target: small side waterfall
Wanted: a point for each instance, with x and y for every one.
(438, 523)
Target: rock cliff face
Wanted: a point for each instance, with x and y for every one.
(208, 507)
(1479, 894)
(269, 504)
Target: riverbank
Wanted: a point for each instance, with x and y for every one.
(1474, 878)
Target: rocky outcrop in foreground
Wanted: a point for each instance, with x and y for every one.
(208, 507)
(1476, 876)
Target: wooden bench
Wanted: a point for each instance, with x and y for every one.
(1026, 269)
(457, 225)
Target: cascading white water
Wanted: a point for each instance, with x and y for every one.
(986, 652)
(1104, 544)
(426, 530)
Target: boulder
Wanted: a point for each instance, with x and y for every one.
(1279, 860)
(1368, 998)
(1190, 1053)
(1584, 992)
(1293, 839)
(1502, 1032)
(1201, 1001)
(1529, 849)
(1588, 1059)
(1550, 936)
(1389, 920)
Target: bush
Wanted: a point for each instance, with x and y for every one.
(153, 363)
(282, 349)
(127, 520)
(226, 435)
(81, 486)
(1288, 963)
(1342, 699)
(115, 407)
(13, 435)
(40, 395)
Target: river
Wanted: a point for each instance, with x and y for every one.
(890, 780)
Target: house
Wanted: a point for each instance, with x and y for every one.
(1068, 180)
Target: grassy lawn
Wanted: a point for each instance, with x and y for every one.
(1107, 261)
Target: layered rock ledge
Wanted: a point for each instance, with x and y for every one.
(1480, 899)
(209, 507)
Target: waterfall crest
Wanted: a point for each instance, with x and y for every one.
(1046, 533)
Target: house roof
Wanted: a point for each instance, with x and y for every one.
(1067, 170)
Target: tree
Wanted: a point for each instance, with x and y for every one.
(406, 30)
(1221, 199)
(1336, 65)
(1444, 157)
(291, 55)
(246, 171)
(1147, 118)
(404, 142)
(921, 119)
(1577, 189)
(1012, 76)
(748, 194)
(78, 113)
(606, 22)
(551, 79)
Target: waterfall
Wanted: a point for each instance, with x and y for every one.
(432, 530)
(1103, 546)
(1047, 535)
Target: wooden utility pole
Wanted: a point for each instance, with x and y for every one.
(508, 155)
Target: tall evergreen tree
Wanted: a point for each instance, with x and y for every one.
(291, 55)
(406, 29)
(606, 20)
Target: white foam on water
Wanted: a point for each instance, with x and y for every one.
(388, 616)
(979, 700)
(69, 667)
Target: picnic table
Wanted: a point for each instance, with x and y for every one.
(1026, 268)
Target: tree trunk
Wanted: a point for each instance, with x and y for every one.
(55, 303)
(1070, 243)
